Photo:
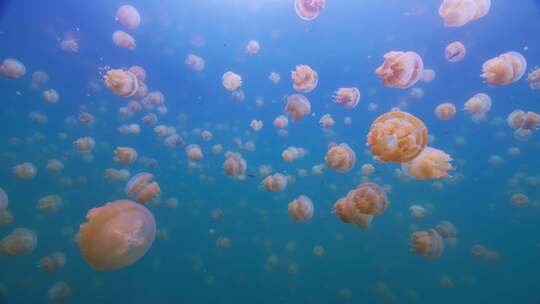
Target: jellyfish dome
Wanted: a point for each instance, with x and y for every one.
(297, 107)
(122, 83)
(309, 9)
(301, 209)
(504, 69)
(431, 163)
(347, 97)
(368, 198)
(455, 51)
(128, 16)
(341, 158)
(21, 242)
(305, 79)
(427, 243)
(142, 188)
(400, 69)
(116, 235)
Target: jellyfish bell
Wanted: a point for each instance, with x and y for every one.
(21, 242)
(116, 235)
(341, 158)
(533, 78)
(12, 68)
(305, 79)
(400, 69)
(231, 81)
(478, 104)
(457, 13)
(301, 209)
(431, 163)
(427, 243)
(142, 188)
(123, 40)
(125, 155)
(276, 182)
(455, 51)
(50, 96)
(25, 171)
(309, 9)
(122, 83)
(253, 47)
(4, 201)
(347, 97)
(445, 111)
(128, 16)
(368, 198)
(195, 62)
(297, 107)
(504, 69)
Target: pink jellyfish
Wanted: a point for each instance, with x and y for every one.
(128, 16)
(231, 81)
(276, 182)
(24, 171)
(194, 62)
(400, 69)
(125, 155)
(12, 68)
(297, 107)
(252, 48)
(504, 69)
(347, 97)
(301, 209)
(50, 96)
(142, 188)
(309, 9)
(122, 83)
(455, 51)
(305, 79)
(123, 40)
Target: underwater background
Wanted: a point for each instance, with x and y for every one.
(270, 258)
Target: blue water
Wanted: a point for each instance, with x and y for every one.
(345, 44)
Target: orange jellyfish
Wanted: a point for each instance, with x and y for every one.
(24, 171)
(301, 209)
(309, 9)
(12, 68)
(431, 163)
(276, 182)
(84, 144)
(400, 69)
(326, 121)
(59, 292)
(194, 62)
(305, 79)
(20, 242)
(125, 155)
(231, 81)
(173, 140)
(504, 69)
(347, 212)
(368, 198)
(128, 16)
(116, 235)
(427, 243)
(52, 263)
(485, 254)
(142, 188)
(520, 200)
(478, 104)
(55, 166)
(341, 158)
(194, 152)
(49, 204)
(367, 169)
(281, 122)
(123, 40)
(234, 164)
(445, 111)
(534, 79)
(397, 137)
(39, 78)
(121, 83)
(4, 201)
(347, 97)
(297, 107)
(417, 211)
(456, 13)
(455, 51)
(50, 96)
(253, 47)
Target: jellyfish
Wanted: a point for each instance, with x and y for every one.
(367, 169)
(431, 163)
(194, 62)
(4, 201)
(297, 107)
(485, 254)
(457, 13)
(123, 40)
(281, 122)
(445, 111)
(305, 79)
(427, 243)
(69, 45)
(86, 118)
(252, 47)
(238, 95)
(128, 16)
(150, 119)
(125, 155)
(59, 292)
(427, 76)
(116, 235)
(455, 51)
(417, 211)
(397, 137)
(274, 77)
(12, 68)
(234, 165)
(231, 81)
(256, 125)
(122, 83)
(50, 96)
(173, 140)
(84, 144)
(446, 230)
(520, 200)
(534, 79)
(400, 69)
(24, 171)
(38, 118)
(347, 212)
(309, 9)
(292, 153)
(140, 94)
(341, 158)
(194, 152)
(142, 188)
(478, 104)
(326, 121)
(301, 209)
(347, 97)
(52, 263)
(139, 72)
(368, 198)
(49, 204)
(20, 242)
(276, 182)
(39, 78)
(504, 69)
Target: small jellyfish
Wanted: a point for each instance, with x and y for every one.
(20, 242)
(478, 104)
(455, 51)
(445, 111)
(367, 169)
(24, 171)
(400, 69)
(128, 16)
(123, 40)
(4, 201)
(309, 9)
(138, 71)
(50, 96)
(122, 83)
(348, 213)
(39, 78)
(485, 254)
(446, 230)
(397, 137)
(117, 175)
(534, 79)
(206, 135)
(69, 45)
(52, 263)
(150, 119)
(427, 243)
(194, 152)
(49, 204)
(292, 153)
(504, 69)
(427, 76)
(12, 68)
(231, 81)
(281, 122)
(125, 155)
(368, 198)
(520, 200)
(301, 209)
(417, 211)
(234, 165)
(116, 235)
(274, 77)
(276, 182)
(252, 48)
(297, 107)
(194, 62)
(84, 144)
(6, 218)
(238, 95)
(431, 163)
(341, 158)
(305, 79)
(173, 140)
(326, 121)
(142, 188)
(59, 292)
(256, 125)
(457, 13)
(347, 97)
(86, 118)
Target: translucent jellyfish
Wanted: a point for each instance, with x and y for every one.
(86, 118)
(49, 204)
(121, 83)
(292, 153)
(207, 135)
(38, 118)
(138, 71)
(150, 119)
(231, 81)
(128, 16)
(194, 152)
(485, 254)
(238, 95)
(347, 97)
(368, 198)
(504, 69)
(84, 144)
(281, 122)
(173, 140)
(446, 230)
(534, 79)
(50, 96)
(347, 212)
(69, 45)
(153, 99)
(141, 92)
(341, 158)
(305, 79)
(123, 40)
(256, 125)
(397, 137)
(417, 211)
(309, 9)
(456, 13)
(117, 175)
(4, 201)
(301, 209)
(326, 121)
(52, 263)
(400, 69)
(216, 214)
(276, 182)
(297, 107)
(274, 77)
(234, 165)
(445, 111)
(427, 76)
(455, 51)
(252, 47)
(194, 62)
(367, 169)
(12, 68)
(24, 171)
(20, 242)
(478, 104)
(142, 188)
(59, 292)
(431, 163)
(125, 155)
(116, 235)
(520, 200)
(39, 78)
(427, 243)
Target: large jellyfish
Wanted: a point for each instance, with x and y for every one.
(231, 81)
(4, 201)
(309, 9)
(341, 158)
(456, 13)
(400, 69)
(305, 79)
(123, 40)
(504, 69)
(431, 163)
(368, 198)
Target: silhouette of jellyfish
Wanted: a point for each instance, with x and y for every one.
(400, 69)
